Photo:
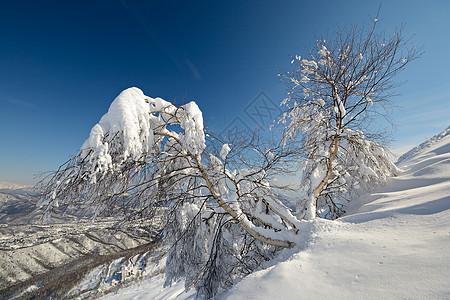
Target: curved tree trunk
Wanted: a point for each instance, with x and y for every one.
(240, 218)
(312, 202)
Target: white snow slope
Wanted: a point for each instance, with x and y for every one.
(394, 245)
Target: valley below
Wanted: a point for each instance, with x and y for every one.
(40, 258)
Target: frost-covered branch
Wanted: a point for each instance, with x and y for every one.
(334, 94)
(148, 155)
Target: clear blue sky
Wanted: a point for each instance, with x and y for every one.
(63, 62)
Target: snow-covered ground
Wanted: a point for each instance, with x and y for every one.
(152, 289)
(34, 254)
(394, 244)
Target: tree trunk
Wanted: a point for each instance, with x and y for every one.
(312, 202)
(240, 218)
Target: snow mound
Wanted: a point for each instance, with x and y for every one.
(129, 117)
(133, 128)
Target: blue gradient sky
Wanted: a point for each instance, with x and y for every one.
(63, 62)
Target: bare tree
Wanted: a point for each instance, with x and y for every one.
(148, 155)
(334, 95)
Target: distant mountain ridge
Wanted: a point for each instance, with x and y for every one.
(4, 185)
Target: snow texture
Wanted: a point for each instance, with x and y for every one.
(127, 132)
(152, 289)
(224, 151)
(128, 113)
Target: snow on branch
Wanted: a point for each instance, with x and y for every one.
(149, 151)
(335, 93)
(146, 154)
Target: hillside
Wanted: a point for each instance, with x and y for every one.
(392, 245)
(35, 255)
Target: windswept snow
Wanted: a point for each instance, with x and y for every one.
(392, 245)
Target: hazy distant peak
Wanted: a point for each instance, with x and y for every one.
(12, 186)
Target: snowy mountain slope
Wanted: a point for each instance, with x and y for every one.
(56, 248)
(34, 255)
(424, 146)
(392, 245)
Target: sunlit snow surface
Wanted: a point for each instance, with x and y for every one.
(152, 289)
(393, 245)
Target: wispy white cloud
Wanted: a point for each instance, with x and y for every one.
(137, 11)
(193, 69)
(423, 107)
(18, 102)
(428, 115)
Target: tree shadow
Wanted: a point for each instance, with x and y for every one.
(427, 208)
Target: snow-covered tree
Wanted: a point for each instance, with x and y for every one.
(148, 155)
(334, 94)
